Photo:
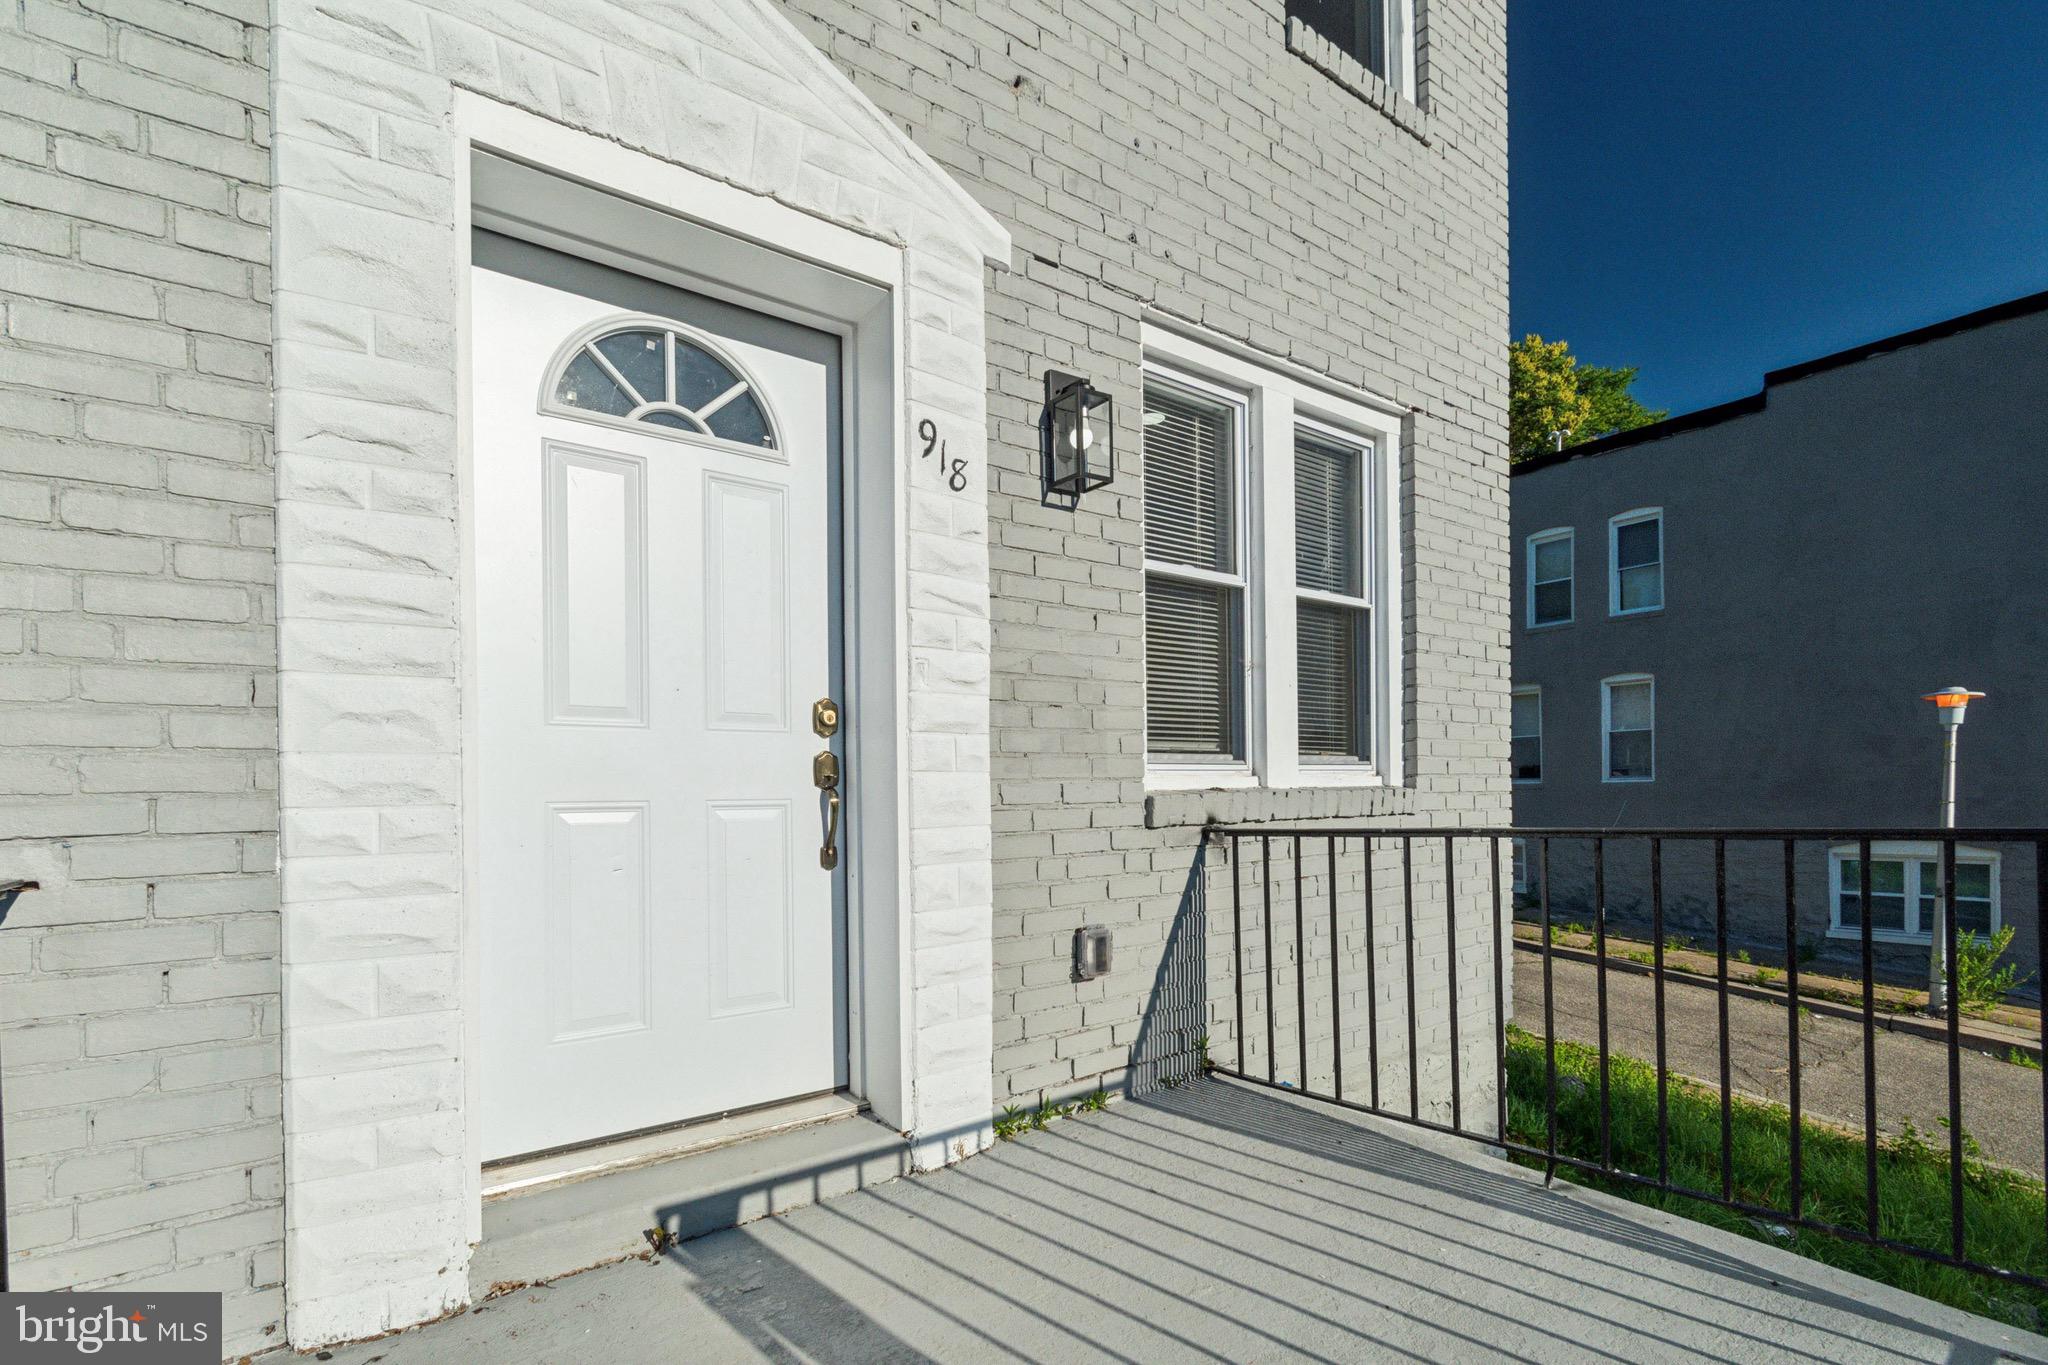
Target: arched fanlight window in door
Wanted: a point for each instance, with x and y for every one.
(650, 372)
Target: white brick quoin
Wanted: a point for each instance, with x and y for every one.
(381, 1195)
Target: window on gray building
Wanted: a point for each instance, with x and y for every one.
(1528, 734)
(1628, 727)
(1550, 577)
(1905, 890)
(1378, 34)
(1194, 577)
(1635, 560)
(1333, 616)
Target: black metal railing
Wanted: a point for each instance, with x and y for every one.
(1347, 874)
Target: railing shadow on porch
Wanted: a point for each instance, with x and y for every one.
(1167, 1050)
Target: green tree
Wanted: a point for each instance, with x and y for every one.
(1550, 392)
(1614, 407)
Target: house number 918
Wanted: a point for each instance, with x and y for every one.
(955, 471)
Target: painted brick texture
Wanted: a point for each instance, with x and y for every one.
(1206, 174)
(138, 727)
(382, 1177)
(1177, 159)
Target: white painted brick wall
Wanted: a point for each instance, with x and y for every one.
(368, 631)
(137, 731)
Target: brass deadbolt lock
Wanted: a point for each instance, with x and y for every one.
(825, 717)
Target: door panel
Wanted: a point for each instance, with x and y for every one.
(654, 616)
(752, 850)
(598, 920)
(746, 593)
(596, 581)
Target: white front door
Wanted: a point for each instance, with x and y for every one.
(655, 477)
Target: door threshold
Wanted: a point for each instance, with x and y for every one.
(546, 1170)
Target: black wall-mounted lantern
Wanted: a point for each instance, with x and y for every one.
(1080, 435)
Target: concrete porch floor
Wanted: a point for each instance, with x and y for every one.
(1215, 1223)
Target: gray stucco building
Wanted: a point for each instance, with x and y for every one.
(1728, 619)
(446, 450)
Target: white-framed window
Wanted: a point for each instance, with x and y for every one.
(1523, 865)
(1195, 583)
(1272, 574)
(1905, 890)
(1550, 577)
(1378, 34)
(1333, 597)
(1628, 728)
(1635, 562)
(1527, 731)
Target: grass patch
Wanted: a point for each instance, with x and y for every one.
(2002, 1211)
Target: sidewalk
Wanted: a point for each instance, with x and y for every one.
(1895, 1007)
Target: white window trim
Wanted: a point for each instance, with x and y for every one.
(1399, 17)
(1226, 771)
(1607, 686)
(1569, 536)
(1911, 852)
(1520, 855)
(1537, 693)
(1614, 525)
(1279, 399)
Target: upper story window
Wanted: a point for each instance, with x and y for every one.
(1635, 562)
(1906, 888)
(1271, 575)
(1333, 610)
(1528, 734)
(1550, 577)
(1628, 727)
(1378, 34)
(650, 373)
(1194, 574)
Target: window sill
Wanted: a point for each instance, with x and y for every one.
(1626, 781)
(1635, 611)
(1892, 936)
(1551, 625)
(1253, 805)
(1196, 777)
(1345, 69)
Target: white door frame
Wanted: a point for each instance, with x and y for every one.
(829, 278)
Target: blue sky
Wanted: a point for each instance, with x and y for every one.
(1712, 191)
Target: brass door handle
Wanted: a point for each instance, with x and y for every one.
(825, 776)
(828, 856)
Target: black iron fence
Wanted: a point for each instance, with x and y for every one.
(1315, 919)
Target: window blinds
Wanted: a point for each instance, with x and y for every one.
(1187, 480)
(1191, 629)
(1327, 500)
(1189, 632)
(1326, 665)
(1329, 639)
